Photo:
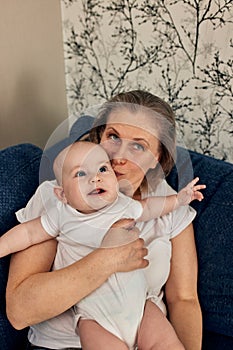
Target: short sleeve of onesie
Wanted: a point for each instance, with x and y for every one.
(50, 220)
(43, 199)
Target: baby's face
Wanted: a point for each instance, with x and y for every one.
(88, 180)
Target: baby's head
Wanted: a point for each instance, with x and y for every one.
(86, 180)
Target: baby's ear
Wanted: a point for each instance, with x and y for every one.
(59, 192)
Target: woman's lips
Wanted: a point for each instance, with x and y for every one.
(118, 174)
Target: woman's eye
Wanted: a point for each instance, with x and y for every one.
(114, 137)
(80, 173)
(103, 169)
(138, 147)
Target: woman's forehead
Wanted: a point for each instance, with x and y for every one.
(133, 123)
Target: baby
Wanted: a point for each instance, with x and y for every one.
(89, 205)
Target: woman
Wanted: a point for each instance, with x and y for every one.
(136, 140)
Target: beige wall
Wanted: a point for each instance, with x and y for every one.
(32, 80)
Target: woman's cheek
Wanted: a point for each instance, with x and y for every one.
(140, 168)
(127, 186)
(149, 162)
(109, 148)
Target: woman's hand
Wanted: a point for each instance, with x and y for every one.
(129, 253)
(127, 257)
(121, 232)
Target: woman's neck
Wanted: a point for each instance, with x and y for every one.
(137, 194)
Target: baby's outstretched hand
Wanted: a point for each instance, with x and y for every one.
(190, 192)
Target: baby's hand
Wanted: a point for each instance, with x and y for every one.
(190, 192)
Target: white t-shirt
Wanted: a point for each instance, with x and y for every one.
(59, 331)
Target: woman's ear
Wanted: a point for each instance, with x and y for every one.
(59, 192)
(155, 161)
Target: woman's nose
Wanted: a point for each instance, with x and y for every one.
(120, 161)
(120, 155)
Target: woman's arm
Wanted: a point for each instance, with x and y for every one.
(34, 294)
(181, 291)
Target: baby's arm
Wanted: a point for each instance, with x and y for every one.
(154, 207)
(23, 236)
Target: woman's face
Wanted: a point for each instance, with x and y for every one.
(130, 141)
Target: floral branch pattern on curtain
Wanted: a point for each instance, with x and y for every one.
(180, 50)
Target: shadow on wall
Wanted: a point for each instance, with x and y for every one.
(31, 115)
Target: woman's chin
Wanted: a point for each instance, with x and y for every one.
(126, 187)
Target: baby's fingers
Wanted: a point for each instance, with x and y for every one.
(198, 195)
(193, 182)
(199, 187)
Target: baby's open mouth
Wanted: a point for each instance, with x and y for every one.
(97, 191)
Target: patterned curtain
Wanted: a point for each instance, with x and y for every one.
(180, 50)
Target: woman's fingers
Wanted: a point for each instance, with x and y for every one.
(128, 257)
(135, 253)
(118, 236)
(128, 224)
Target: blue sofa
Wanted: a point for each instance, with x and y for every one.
(19, 168)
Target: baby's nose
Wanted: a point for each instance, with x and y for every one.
(96, 178)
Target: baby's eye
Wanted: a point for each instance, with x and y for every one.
(103, 169)
(80, 173)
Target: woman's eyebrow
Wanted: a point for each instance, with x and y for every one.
(137, 139)
(141, 140)
(110, 128)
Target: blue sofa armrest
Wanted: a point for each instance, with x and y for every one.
(19, 169)
(213, 227)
